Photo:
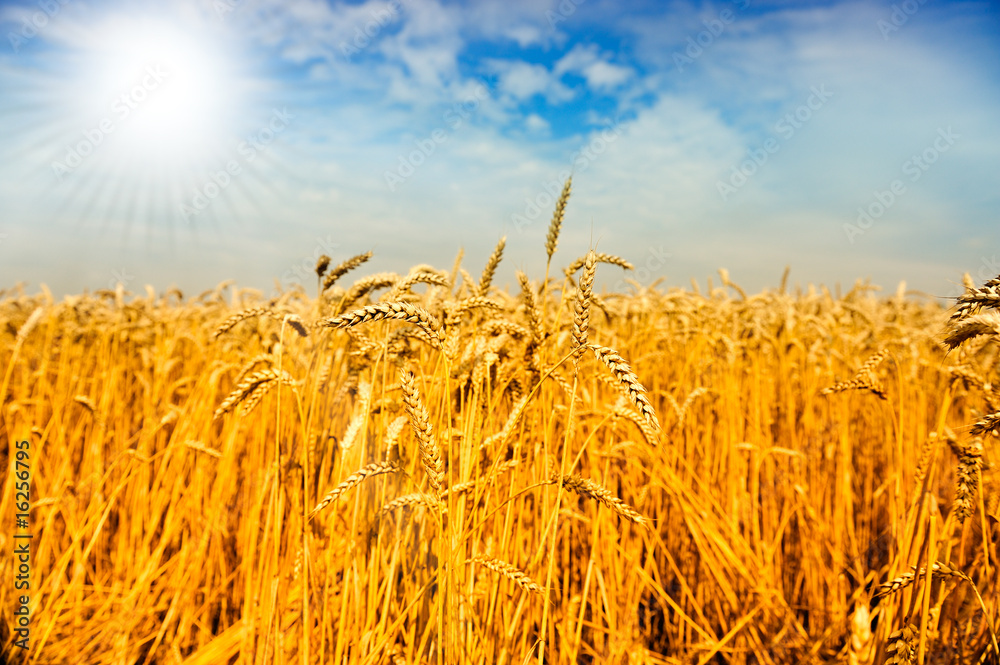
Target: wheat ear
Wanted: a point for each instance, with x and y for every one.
(552, 239)
(387, 310)
(293, 320)
(491, 267)
(592, 490)
(987, 323)
(344, 268)
(430, 453)
(600, 257)
(356, 478)
(509, 571)
(531, 308)
(250, 385)
(627, 380)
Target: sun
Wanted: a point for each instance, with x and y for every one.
(152, 107)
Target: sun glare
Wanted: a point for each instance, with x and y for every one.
(152, 109)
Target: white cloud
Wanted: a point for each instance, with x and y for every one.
(523, 80)
(588, 63)
(536, 123)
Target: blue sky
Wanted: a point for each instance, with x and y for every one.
(186, 143)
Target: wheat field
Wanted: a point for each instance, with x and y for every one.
(431, 468)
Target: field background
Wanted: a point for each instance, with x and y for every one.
(770, 510)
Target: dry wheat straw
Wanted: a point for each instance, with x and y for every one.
(356, 478)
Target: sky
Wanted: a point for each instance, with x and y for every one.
(184, 143)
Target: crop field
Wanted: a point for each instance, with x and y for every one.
(433, 468)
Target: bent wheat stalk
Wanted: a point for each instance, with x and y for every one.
(356, 478)
(592, 490)
(388, 310)
(511, 572)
